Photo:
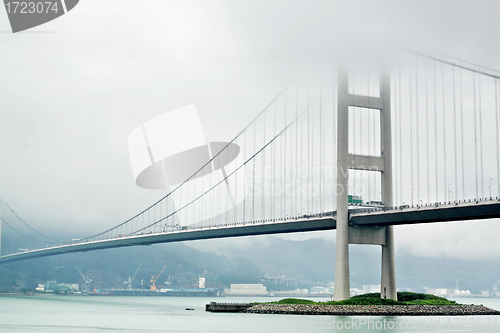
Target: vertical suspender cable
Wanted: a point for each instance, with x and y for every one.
(498, 146)
(301, 208)
(374, 187)
(455, 134)
(427, 136)
(161, 229)
(334, 136)
(283, 163)
(334, 133)
(245, 175)
(220, 188)
(308, 148)
(400, 137)
(212, 212)
(475, 133)
(361, 118)
(229, 192)
(323, 142)
(253, 187)
(235, 213)
(353, 113)
(321, 162)
(411, 139)
(394, 138)
(283, 166)
(186, 210)
(435, 131)
(309, 152)
(311, 159)
(263, 175)
(462, 135)
(297, 171)
(444, 135)
(481, 135)
(273, 185)
(417, 130)
(370, 114)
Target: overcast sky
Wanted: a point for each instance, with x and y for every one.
(72, 90)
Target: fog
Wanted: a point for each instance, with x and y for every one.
(73, 89)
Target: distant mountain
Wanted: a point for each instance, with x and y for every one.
(314, 260)
(110, 268)
(306, 262)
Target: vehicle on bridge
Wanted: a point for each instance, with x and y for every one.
(374, 204)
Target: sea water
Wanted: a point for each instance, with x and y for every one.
(72, 314)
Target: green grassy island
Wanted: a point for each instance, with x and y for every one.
(408, 304)
(404, 298)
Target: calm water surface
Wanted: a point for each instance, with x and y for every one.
(70, 314)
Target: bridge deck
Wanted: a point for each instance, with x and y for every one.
(247, 229)
(456, 211)
(398, 216)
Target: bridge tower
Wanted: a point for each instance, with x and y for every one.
(347, 234)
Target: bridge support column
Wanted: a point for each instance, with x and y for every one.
(388, 280)
(346, 234)
(341, 289)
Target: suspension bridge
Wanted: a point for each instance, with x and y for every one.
(356, 149)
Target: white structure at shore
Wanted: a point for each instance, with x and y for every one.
(247, 290)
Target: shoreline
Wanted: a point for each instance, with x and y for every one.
(372, 310)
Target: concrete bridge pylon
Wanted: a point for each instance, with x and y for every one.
(347, 234)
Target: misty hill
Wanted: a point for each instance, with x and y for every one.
(314, 260)
(310, 261)
(110, 268)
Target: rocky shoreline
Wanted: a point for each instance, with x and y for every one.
(372, 310)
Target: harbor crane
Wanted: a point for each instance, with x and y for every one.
(171, 278)
(130, 280)
(495, 288)
(86, 279)
(153, 279)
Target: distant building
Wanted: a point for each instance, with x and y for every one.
(462, 293)
(201, 282)
(247, 290)
(485, 293)
(51, 285)
(443, 292)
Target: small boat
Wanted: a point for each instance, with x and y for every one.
(189, 309)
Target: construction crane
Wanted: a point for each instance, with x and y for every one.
(86, 279)
(153, 279)
(171, 279)
(130, 280)
(495, 288)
